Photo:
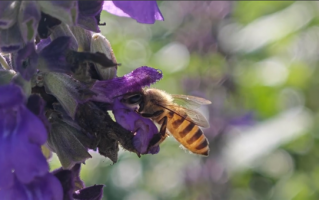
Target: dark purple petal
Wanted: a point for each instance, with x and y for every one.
(46, 187)
(42, 44)
(143, 128)
(66, 179)
(142, 11)
(25, 61)
(29, 17)
(90, 193)
(78, 183)
(53, 56)
(70, 180)
(90, 8)
(132, 82)
(36, 105)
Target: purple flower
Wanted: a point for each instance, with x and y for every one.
(108, 89)
(46, 187)
(94, 192)
(73, 186)
(53, 56)
(142, 11)
(21, 137)
(25, 61)
(88, 10)
(143, 128)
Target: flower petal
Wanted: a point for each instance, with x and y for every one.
(46, 187)
(130, 120)
(26, 140)
(25, 61)
(53, 56)
(142, 11)
(42, 44)
(141, 77)
(90, 193)
(21, 137)
(88, 10)
(11, 96)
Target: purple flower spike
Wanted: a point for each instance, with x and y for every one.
(143, 127)
(142, 11)
(46, 187)
(21, 137)
(25, 61)
(141, 77)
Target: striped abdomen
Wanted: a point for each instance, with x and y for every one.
(188, 134)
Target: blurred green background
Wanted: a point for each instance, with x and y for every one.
(258, 64)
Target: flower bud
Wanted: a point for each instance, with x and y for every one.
(8, 13)
(65, 11)
(100, 44)
(83, 37)
(67, 90)
(64, 30)
(63, 140)
(11, 39)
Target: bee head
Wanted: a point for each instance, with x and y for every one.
(134, 101)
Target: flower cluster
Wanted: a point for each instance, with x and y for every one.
(57, 81)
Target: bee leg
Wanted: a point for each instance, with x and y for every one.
(161, 136)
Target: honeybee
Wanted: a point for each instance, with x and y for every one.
(181, 122)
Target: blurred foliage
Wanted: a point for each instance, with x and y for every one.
(242, 57)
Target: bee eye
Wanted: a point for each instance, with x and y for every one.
(135, 99)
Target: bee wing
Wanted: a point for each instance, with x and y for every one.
(188, 114)
(190, 101)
